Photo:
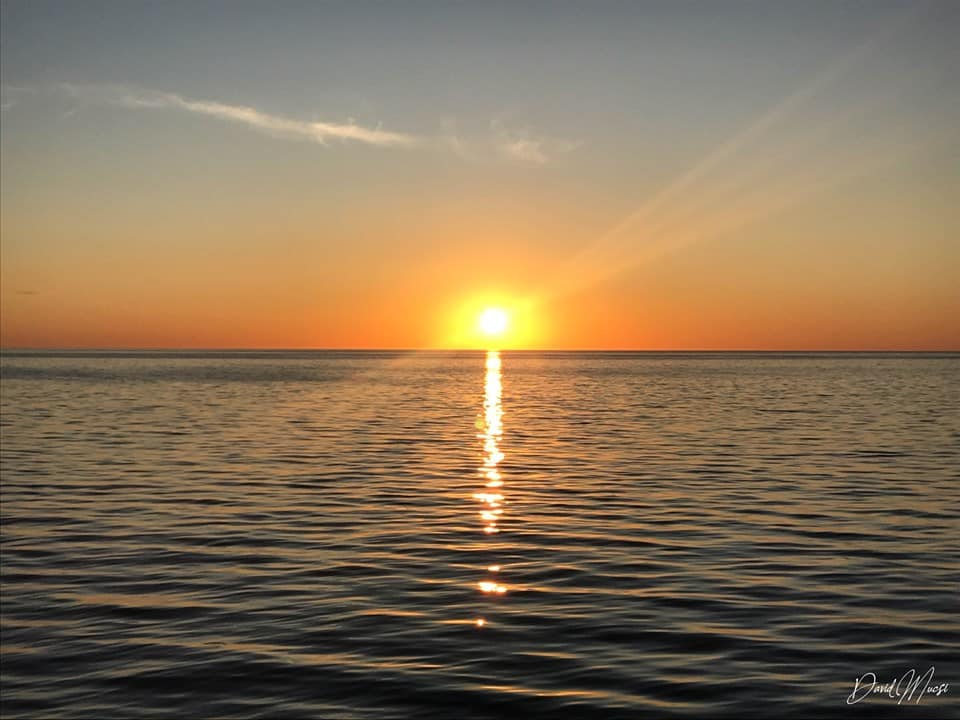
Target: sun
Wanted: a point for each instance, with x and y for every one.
(493, 321)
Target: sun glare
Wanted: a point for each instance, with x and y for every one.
(493, 321)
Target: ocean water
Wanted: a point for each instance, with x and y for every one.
(471, 535)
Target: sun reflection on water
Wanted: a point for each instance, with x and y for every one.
(490, 497)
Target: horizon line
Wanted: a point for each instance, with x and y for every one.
(277, 349)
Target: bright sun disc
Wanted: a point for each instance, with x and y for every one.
(493, 321)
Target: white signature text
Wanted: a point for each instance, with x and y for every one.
(909, 687)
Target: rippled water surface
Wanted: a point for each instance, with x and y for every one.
(390, 535)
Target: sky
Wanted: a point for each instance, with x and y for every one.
(613, 175)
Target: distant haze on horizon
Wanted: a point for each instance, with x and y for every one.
(650, 175)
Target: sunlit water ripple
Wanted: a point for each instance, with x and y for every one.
(390, 535)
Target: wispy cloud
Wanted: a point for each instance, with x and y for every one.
(525, 146)
(499, 142)
(275, 125)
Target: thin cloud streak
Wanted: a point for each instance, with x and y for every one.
(527, 147)
(274, 125)
(660, 220)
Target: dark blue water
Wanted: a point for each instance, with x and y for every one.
(393, 535)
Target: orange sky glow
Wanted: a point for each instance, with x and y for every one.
(624, 179)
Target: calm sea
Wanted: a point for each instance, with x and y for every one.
(460, 535)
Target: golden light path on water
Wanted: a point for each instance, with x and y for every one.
(491, 497)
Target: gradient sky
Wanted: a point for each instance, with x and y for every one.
(689, 175)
